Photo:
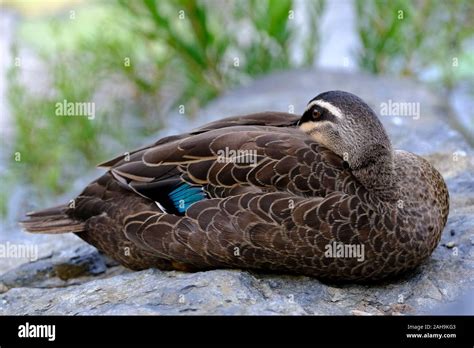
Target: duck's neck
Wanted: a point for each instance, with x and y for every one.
(375, 171)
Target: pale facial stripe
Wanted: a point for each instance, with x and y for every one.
(312, 127)
(328, 106)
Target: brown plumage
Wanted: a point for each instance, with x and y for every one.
(264, 192)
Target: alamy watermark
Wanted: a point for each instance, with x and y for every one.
(67, 108)
(11, 250)
(342, 250)
(401, 109)
(227, 155)
(28, 330)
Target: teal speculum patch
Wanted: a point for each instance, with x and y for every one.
(185, 195)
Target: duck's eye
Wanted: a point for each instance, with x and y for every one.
(316, 114)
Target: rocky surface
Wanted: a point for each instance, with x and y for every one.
(70, 277)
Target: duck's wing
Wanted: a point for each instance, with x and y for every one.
(158, 171)
(265, 157)
(271, 119)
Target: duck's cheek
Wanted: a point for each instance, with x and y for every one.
(320, 138)
(308, 127)
(325, 135)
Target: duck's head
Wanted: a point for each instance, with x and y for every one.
(346, 125)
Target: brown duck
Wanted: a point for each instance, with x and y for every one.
(323, 195)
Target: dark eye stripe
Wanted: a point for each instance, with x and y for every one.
(327, 116)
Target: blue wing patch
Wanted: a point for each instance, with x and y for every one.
(185, 195)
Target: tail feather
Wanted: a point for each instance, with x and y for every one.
(52, 221)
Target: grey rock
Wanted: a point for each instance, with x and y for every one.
(91, 284)
(153, 292)
(69, 267)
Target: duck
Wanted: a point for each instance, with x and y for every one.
(322, 194)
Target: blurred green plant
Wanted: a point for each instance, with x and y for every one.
(211, 45)
(46, 145)
(164, 52)
(394, 38)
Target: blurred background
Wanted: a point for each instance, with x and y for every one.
(138, 61)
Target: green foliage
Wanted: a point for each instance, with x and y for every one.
(409, 37)
(54, 148)
(45, 141)
(203, 41)
(270, 48)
